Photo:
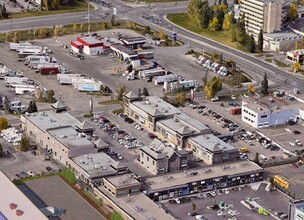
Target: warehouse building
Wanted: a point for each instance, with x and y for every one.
(202, 180)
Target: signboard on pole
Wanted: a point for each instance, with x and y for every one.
(174, 35)
(115, 11)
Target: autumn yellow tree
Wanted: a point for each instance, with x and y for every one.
(226, 23)
(215, 24)
(162, 34)
(296, 67)
(292, 13)
(75, 28)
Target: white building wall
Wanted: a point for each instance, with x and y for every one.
(93, 51)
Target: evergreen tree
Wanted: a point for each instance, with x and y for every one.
(225, 2)
(264, 85)
(145, 92)
(220, 2)
(34, 107)
(251, 44)
(232, 18)
(194, 11)
(260, 41)
(205, 15)
(1, 150)
(220, 17)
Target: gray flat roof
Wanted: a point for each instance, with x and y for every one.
(9, 193)
(122, 49)
(70, 137)
(282, 35)
(182, 178)
(99, 164)
(191, 122)
(134, 40)
(131, 204)
(155, 106)
(50, 119)
(211, 142)
(122, 181)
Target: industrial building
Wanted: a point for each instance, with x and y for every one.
(262, 14)
(296, 209)
(89, 45)
(14, 204)
(158, 158)
(202, 180)
(270, 112)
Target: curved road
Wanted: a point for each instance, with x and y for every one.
(248, 63)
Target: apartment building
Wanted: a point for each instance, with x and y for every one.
(262, 14)
(159, 158)
(296, 209)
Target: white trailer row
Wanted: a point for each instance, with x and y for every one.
(181, 85)
(79, 82)
(22, 89)
(15, 80)
(167, 78)
(150, 73)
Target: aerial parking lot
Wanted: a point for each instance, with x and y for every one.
(227, 204)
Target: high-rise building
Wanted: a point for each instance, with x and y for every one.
(262, 14)
(296, 209)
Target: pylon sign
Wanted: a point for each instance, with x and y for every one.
(174, 35)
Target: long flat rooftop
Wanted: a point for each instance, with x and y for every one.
(182, 178)
(139, 206)
(9, 193)
(99, 164)
(50, 119)
(122, 49)
(212, 143)
(155, 106)
(122, 181)
(70, 137)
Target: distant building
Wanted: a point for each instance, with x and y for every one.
(262, 14)
(159, 158)
(296, 209)
(14, 204)
(211, 149)
(270, 112)
(296, 56)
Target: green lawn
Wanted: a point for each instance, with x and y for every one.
(77, 7)
(182, 20)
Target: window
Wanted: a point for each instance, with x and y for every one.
(263, 116)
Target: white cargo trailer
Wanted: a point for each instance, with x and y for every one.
(15, 80)
(89, 87)
(166, 78)
(25, 89)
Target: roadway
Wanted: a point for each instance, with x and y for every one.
(248, 63)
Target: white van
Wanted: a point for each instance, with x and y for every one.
(262, 157)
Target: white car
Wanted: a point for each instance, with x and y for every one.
(298, 142)
(30, 173)
(219, 213)
(288, 130)
(233, 97)
(119, 156)
(292, 143)
(214, 99)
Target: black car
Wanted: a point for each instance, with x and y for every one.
(296, 132)
(49, 169)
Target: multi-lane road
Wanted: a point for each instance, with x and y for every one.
(250, 64)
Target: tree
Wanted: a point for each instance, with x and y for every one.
(180, 99)
(297, 45)
(296, 67)
(226, 22)
(213, 87)
(232, 32)
(220, 14)
(232, 18)
(50, 96)
(193, 207)
(3, 12)
(147, 30)
(5, 104)
(145, 92)
(194, 11)
(292, 13)
(46, 4)
(3, 123)
(56, 4)
(162, 34)
(75, 28)
(34, 107)
(260, 41)
(1, 150)
(205, 14)
(120, 91)
(240, 34)
(235, 2)
(24, 143)
(16, 36)
(251, 44)
(221, 59)
(264, 85)
(251, 89)
(225, 2)
(205, 78)
(214, 24)
(257, 158)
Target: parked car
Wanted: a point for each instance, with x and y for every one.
(296, 132)
(214, 99)
(119, 156)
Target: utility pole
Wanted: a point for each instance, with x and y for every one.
(11, 25)
(89, 16)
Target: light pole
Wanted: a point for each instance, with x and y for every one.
(88, 16)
